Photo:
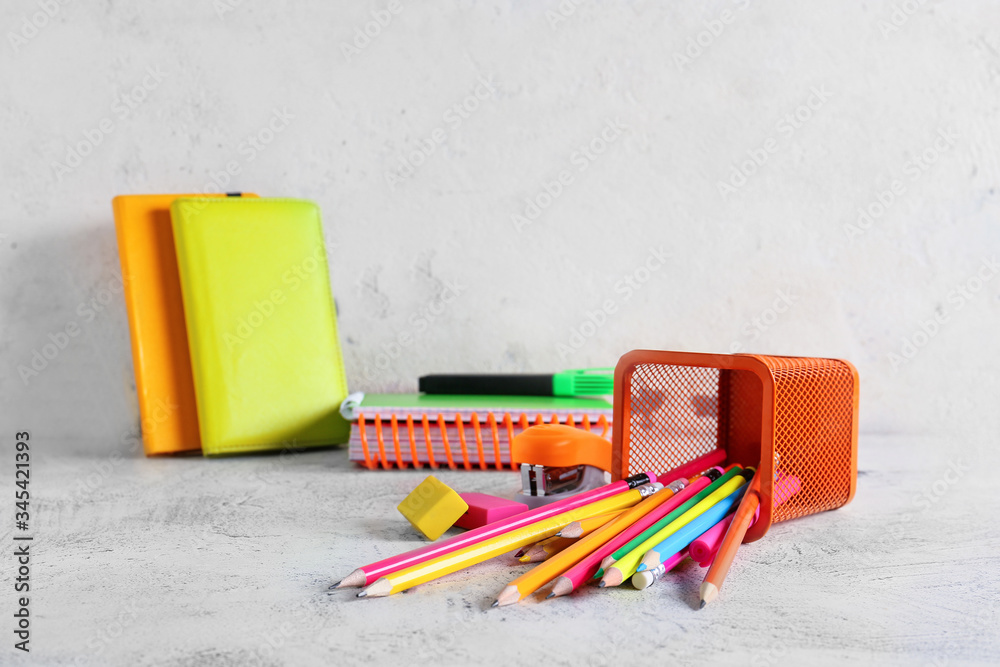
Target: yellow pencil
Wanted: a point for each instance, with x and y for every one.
(547, 547)
(501, 544)
(581, 528)
(553, 545)
(626, 566)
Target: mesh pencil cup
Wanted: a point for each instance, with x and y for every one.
(795, 417)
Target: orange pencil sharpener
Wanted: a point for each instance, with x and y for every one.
(789, 416)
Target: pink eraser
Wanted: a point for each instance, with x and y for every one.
(484, 509)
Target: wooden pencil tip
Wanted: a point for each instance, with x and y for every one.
(336, 585)
(510, 595)
(563, 586)
(356, 578)
(496, 603)
(708, 593)
(362, 594)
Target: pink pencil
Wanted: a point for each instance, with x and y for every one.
(714, 458)
(368, 573)
(571, 579)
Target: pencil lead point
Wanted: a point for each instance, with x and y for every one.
(702, 605)
(559, 534)
(550, 595)
(641, 568)
(496, 603)
(336, 585)
(601, 585)
(362, 594)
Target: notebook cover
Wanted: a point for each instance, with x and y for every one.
(268, 373)
(160, 355)
(401, 405)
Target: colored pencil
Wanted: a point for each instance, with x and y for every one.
(540, 551)
(369, 573)
(703, 549)
(659, 553)
(646, 578)
(716, 457)
(581, 528)
(453, 561)
(667, 520)
(534, 579)
(548, 547)
(573, 578)
(625, 567)
(730, 544)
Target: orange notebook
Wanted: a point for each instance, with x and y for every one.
(156, 320)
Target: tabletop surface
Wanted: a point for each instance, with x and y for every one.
(190, 561)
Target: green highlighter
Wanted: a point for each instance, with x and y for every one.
(582, 382)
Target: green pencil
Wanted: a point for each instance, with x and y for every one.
(662, 523)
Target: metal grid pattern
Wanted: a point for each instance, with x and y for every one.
(673, 415)
(813, 434)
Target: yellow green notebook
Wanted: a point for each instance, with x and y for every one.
(266, 360)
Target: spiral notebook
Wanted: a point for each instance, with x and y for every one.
(470, 432)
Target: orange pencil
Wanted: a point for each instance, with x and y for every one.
(731, 542)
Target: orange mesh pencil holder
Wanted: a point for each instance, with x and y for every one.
(794, 417)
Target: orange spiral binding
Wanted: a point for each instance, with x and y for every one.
(444, 439)
(375, 455)
(461, 440)
(492, 421)
(395, 442)
(427, 441)
(381, 441)
(479, 441)
(364, 441)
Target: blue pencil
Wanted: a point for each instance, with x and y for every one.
(691, 532)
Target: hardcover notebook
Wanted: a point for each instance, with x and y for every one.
(459, 431)
(265, 355)
(156, 321)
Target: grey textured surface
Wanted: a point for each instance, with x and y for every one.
(189, 561)
(781, 266)
(227, 562)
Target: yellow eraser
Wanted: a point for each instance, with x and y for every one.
(433, 507)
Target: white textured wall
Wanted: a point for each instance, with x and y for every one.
(888, 86)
